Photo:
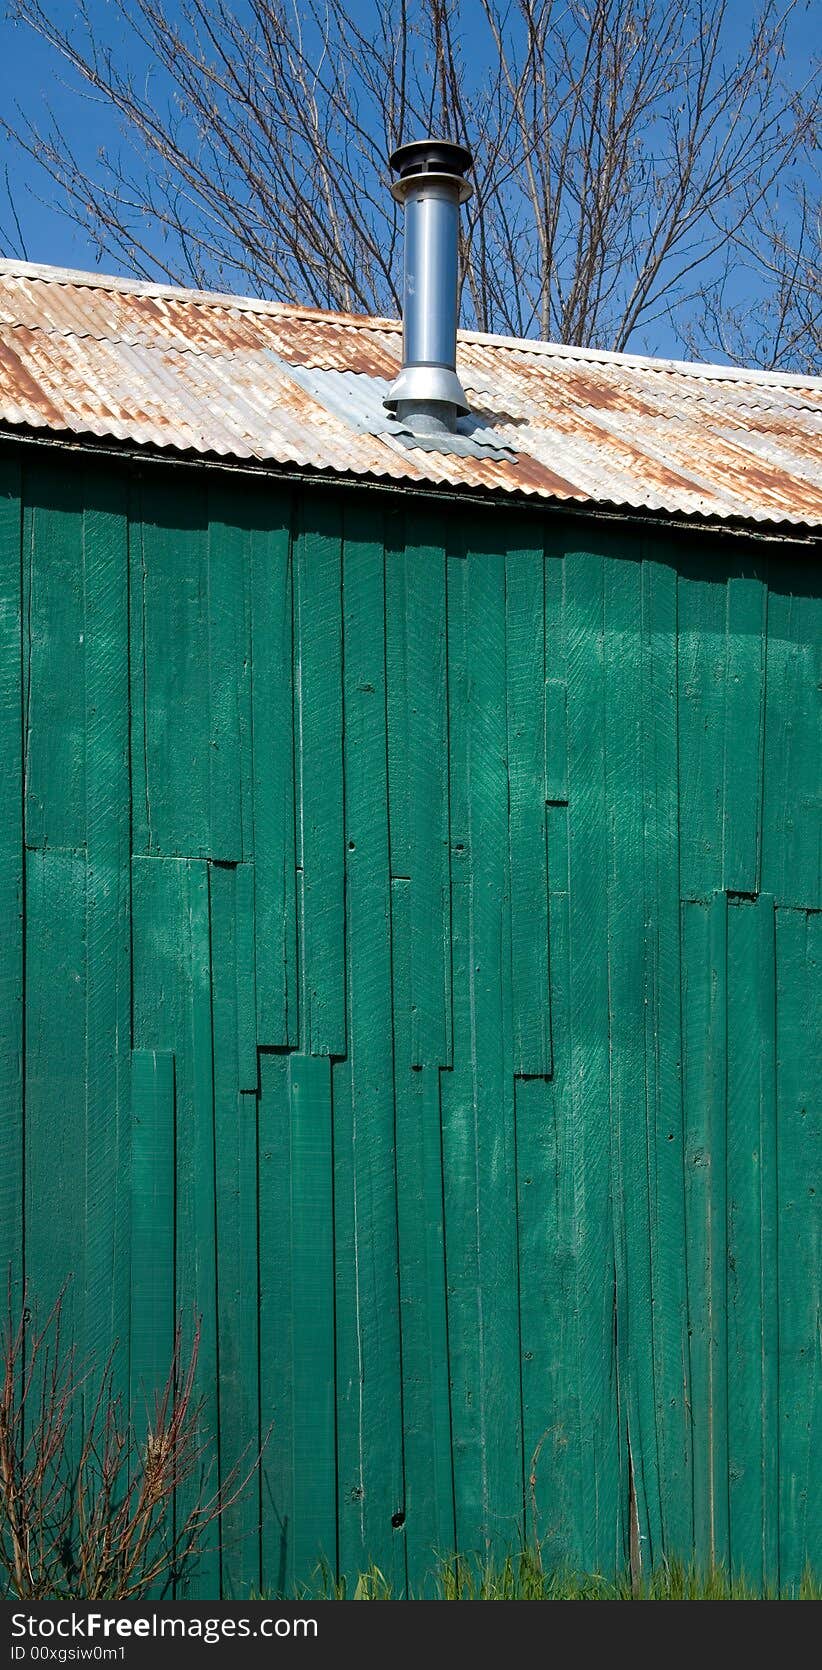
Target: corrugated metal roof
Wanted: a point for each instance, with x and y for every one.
(231, 377)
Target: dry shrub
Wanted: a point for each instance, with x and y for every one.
(89, 1507)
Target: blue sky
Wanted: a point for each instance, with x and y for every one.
(35, 79)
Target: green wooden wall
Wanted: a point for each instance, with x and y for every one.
(410, 962)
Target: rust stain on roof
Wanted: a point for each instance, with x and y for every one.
(774, 486)
(333, 347)
(605, 394)
(19, 387)
(529, 474)
(153, 366)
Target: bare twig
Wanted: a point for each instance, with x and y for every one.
(87, 1505)
(634, 158)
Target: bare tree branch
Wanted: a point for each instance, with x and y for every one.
(89, 1507)
(634, 163)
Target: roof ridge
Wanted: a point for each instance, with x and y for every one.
(702, 371)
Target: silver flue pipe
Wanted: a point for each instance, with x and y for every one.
(428, 396)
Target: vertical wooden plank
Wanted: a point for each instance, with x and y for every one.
(493, 1054)
(556, 672)
(347, 1336)
(55, 1181)
(525, 689)
(54, 1226)
(152, 1313)
(718, 1231)
(396, 669)
(228, 668)
(273, 732)
(547, 1277)
(140, 809)
(605, 1494)
(744, 1245)
(256, 516)
(705, 1012)
(701, 715)
(799, 1133)
(108, 907)
(246, 994)
(235, 1170)
(744, 733)
(792, 808)
(172, 1011)
(696, 1024)
(370, 1408)
(478, 1103)
(556, 732)
(196, 1222)
(11, 880)
(426, 1403)
(663, 1047)
(428, 809)
(150, 1342)
(769, 1238)
(312, 1308)
(276, 1328)
(464, 1292)
(752, 1250)
(171, 599)
(545, 1152)
(320, 729)
(55, 687)
(631, 1152)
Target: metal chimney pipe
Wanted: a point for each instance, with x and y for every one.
(428, 396)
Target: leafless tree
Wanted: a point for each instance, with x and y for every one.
(87, 1504)
(635, 163)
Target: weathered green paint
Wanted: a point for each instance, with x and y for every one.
(270, 583)
(152, 1319)
(410, 969)
(369, 1403)
(108, 926)
(426, 1404)
(311, 1303)
(319, 755)
(604, 1500)
(235, 1168)
(276, 1368)
(12, 872)
(753, 1318)
(663, 1044)
(151, 1335)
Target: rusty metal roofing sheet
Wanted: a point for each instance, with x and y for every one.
(231, 377)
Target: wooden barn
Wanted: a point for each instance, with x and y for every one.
(409, 911)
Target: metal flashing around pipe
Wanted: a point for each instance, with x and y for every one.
(427, 395)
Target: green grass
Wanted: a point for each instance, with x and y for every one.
(523, 1578)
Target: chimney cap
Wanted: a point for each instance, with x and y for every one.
(432, 159)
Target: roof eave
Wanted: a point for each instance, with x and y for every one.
(781, 532)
